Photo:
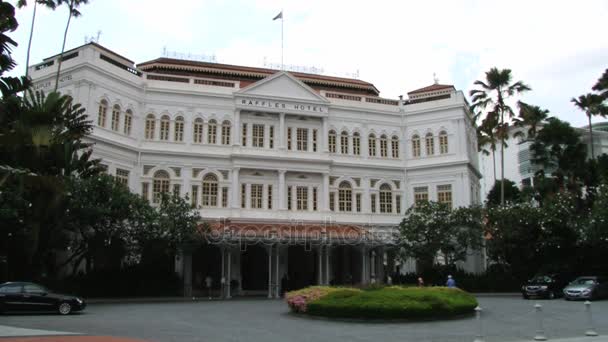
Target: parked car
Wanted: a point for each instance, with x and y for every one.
(591, 287)
(28, 297)
(545, 286)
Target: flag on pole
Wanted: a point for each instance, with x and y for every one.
(279, 16)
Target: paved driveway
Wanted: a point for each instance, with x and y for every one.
(505, 319)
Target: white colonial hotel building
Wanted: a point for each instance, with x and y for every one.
(279, 163)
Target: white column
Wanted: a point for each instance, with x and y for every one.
(277, 283)
(229, 277)
(223, 277)
(282, 131)
(236, 136)
(269, 271)
(320, 272)
(282, 203)
(373, 265)
(235, 200)
(327, 250)
(366, 202)
(363, 265)
(186, 185)
(323, 140)
(325, 193)
(310, 199)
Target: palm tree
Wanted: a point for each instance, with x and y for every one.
(486, 135)
(494, 92)
(591, 104)
(72, 12)
(602, 85)
(22, 3)
(530, 116)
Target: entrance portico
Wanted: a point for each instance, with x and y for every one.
(271, 258)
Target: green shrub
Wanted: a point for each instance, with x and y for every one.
(392, 302)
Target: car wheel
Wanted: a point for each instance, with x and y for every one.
(551, 295)
(1, 308)
(526, 297)
(65, 308)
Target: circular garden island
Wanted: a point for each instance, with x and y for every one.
(381, 303)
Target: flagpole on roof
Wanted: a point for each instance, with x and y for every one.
(280, 16)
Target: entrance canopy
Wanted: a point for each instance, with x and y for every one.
(291, 233)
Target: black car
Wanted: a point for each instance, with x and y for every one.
(545, 286)
(29, 297)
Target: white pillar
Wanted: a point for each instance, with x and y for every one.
(324, 132)
(236, 135)
(223, 277)
(373, 266)
(282, 200)
(276, 276)
(320, 259)
(229, 277)
(282, 144)
(327, 250)
(325, 193)
(363, 265)
(269, 271)
(235, 200)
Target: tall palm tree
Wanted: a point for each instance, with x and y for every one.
(591, 104)
(72, 12)
(602, 85)
(22, 3)
(493, 93)
(486, 135)
(530, 116)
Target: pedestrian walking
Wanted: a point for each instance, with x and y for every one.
(451, 282)
(420, 282)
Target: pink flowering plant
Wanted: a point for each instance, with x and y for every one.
(299, 300)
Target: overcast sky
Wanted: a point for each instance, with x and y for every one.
(557, 47)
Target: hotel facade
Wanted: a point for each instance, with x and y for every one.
(301, 178)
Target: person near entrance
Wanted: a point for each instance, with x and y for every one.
(208, 283)
(451, 282)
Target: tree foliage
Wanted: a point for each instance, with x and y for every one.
(432, 228)
(512, 193)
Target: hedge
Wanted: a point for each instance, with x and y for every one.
(392, 302)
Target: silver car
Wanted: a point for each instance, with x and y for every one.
(591, 287)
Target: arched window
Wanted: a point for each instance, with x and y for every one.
(160, 185)
(443, 142)
(331, 141)
(115, 117)
(383, 146)
(179, 129)
(386, 199)
(210, 190)
(198, 131)
(430, 144)
(344, 142)
(372, 145)
(150, 126)
(226, 133)
(395, 146)
(345, 197)
(101, 115)
(212, 132)
(416, 145)
(164, 127)
(356, 144)
(128, 122)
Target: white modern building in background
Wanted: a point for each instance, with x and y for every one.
(518, 163)
(297, 174)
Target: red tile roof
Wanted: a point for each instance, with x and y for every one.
(245, 71)
(433, 87)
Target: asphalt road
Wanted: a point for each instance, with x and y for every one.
(252, 320)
